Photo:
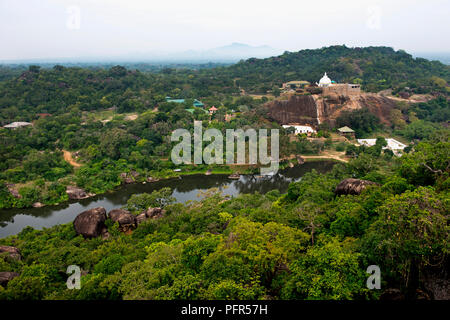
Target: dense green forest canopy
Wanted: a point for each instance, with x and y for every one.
(305, 244)
(72, 100)
(376, 68)
(308, 243)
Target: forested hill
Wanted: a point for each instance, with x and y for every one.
(55, 90)
(377, 68)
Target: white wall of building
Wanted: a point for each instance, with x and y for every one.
(300, 129)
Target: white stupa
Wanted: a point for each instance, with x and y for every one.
(325, 81)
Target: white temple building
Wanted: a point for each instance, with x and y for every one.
(324, 81)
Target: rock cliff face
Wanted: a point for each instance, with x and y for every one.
(317, 108)
(298, 109)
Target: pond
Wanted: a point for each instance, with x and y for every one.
(186, 188)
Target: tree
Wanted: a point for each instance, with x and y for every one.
(114, 141)
(412, 232)
(428, 164)
(276, 91)
(397, 119)
(362, 121)
(329, 271)
(158, 198)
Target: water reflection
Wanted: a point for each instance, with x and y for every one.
(12, 221)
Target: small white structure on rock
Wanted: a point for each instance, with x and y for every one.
(300, 129)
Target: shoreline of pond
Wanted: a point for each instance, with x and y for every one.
(184, 188)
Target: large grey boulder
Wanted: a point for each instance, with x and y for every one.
(91, 223)
(155, 213)
(352, 186)
(6, 277)
(126, 220)
(141, 218)
(12, 252)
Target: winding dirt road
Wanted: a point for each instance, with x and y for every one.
(69, 159)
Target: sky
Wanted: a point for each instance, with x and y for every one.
(45, 29)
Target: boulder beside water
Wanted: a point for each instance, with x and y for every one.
(91, 223)
(126, 220)
(12, 252)
(76, 193)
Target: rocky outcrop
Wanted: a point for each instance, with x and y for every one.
(76, 193)
(12, 189)
(126, 220)
(130, 177)
(378, 105)
(7, 276)
(298, 109)
(12, 252)
(37, 205)
(352, 186)
(320, 108)
(91, 223)
(150, 213)
(155, 213)
(126, 178)
(141, 218)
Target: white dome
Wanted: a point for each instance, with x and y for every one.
(325, 81)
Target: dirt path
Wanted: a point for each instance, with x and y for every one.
(335, 157)
(131, 117)
(69, 159)
(324, 155)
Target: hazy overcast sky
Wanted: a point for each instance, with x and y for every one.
(83, 28)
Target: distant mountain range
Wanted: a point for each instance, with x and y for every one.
(235, 51)
(443, 57)
(229, 53)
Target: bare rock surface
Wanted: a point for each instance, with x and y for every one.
(12, 252)
(126, 220)
(76, 193)
(91, 223)
(7, 276)
(352, 186)
(154, 213)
